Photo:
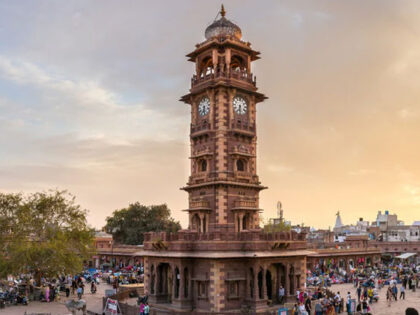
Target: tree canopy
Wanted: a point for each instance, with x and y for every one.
(128, 225)
(44, 233)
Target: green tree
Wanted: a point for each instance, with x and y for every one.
(128, 225)
(43, 233)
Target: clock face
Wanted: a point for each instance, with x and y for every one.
(204, 106)
(239, 105)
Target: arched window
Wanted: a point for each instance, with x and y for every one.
(203, 165)
(240, 165)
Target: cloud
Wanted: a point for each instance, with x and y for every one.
(88, 102)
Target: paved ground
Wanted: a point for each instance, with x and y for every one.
(94, 303)
(412, 299)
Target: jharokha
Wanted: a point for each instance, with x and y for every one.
(223, 263)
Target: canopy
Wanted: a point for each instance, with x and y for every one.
(405, 255)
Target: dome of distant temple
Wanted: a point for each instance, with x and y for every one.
(223, 28)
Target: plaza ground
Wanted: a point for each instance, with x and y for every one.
(94, 303)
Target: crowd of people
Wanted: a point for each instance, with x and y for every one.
(318, 298)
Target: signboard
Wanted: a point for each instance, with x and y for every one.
(112, 307)
(283, 311)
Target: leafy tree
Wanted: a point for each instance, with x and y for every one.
(280, 226)
(128, 225)
(43, 233)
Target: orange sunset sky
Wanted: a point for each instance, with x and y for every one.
(89, 103)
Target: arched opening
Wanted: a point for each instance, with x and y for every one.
(269, 285)
(196, 223)
(164, 284)
(260, 284)
(204, 224)
(152, 281)
(206, 66)
(237, 63)
(251, 283)
(240, 165)
(177, 281)
(245, 222)
(186, 282)
(203, 165)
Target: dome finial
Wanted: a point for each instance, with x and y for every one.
(222, 11)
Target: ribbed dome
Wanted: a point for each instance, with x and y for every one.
(223, 28)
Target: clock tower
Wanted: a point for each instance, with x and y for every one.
(223, 262)
(224, 186)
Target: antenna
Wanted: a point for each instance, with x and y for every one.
(280, 210)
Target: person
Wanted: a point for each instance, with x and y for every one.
(302, 310)
(79, 292)
(93, 287)
(365, 307)
(146, 309)
(337, 299)
(348, 303)
(308, 304)
(395, 292)
(318, 308)
(47, 293)
(411, 311)
(141, 308)
(402, 293)
(389, 296)
(281, 295)
(370, 295)
(359, 293)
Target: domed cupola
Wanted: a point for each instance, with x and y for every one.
(223, 28)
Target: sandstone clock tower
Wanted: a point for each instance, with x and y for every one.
(223, 262)
(223, 187)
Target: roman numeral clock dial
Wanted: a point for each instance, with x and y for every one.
(239, 105)
(204, 106)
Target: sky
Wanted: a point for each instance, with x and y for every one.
(89, 96)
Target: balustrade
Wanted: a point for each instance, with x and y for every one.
(239, 75)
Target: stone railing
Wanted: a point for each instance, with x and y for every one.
(243, 126)
(245, 240)
(243, 203)
(199, 204)
(239, 149)
(199, 127)
(238, 75)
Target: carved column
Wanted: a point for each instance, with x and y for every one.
(255, 288)
(174, 282)
(264, 284)
(287, 288)
(201, 222)
(181, 283)
(241, 217)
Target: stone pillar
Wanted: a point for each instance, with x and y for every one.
(241, 217)
(264, 284)
(287, 277)
(255, 288)
(181, 283)
(201, 223)
(173, 282)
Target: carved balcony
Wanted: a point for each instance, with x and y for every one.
(234, 76)
(199, 204)
(243, 127)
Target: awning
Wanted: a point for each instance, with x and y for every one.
(405, 255)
